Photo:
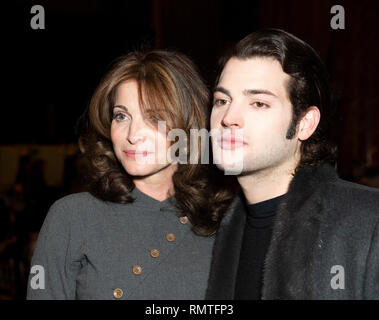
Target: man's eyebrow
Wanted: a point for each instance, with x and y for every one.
(250, 92)
(223, 90)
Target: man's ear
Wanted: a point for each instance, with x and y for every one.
(309, 122)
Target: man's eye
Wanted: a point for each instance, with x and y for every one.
(220, 102)
(260, 104)
(119, 117)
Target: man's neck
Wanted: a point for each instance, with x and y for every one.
(266, 184)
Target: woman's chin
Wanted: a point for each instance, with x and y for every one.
(147, 170)
(141, 170)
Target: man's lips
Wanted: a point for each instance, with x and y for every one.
(229, 143)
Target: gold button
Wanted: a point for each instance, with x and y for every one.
(170, 237)
(118, 293)
(183, 220)
(137, 270)
(154, 253)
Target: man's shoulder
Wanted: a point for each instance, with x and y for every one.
(353, 198)
(355, 189)
(325, 180)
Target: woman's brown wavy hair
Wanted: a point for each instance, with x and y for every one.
(171, 90)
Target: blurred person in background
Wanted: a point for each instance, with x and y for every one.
(24, 208)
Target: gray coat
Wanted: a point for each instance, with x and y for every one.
(90, 249)
(325, 242)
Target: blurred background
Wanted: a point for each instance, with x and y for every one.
(49, 76)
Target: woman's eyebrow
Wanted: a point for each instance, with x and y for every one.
(121, 107)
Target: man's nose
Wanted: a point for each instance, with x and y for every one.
(233, 117)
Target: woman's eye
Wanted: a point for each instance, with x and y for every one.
(260, 104)
(119, 117)
(152, 119)
(220, 102)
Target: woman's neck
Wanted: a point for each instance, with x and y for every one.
(158, 186)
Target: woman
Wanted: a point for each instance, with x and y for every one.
(131, 236)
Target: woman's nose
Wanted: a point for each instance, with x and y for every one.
(137, 133)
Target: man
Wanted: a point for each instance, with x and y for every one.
(299, 232)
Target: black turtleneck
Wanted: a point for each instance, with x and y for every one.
(256, 239)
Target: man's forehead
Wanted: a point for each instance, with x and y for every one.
(265, 73)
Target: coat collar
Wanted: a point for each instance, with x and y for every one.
(294, 247)
(298, 217)
(226, 252)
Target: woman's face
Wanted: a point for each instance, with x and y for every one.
(138, 144)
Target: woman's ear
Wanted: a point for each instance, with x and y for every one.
(309, 123)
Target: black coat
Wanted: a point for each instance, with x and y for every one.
(326, 232)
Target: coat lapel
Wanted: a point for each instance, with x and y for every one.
(292, 255)
(226, 252)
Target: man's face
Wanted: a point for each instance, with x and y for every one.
(252, 95)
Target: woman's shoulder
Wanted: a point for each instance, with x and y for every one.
(81, 200)
(72, 212)
(74, 203)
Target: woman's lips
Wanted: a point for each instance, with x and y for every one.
(133, 154)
